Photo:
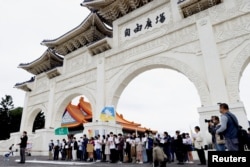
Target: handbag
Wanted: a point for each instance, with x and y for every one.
(125, 159)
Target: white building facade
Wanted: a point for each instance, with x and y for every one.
(207, 41)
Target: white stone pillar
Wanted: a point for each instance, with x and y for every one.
(100, 88)
(211, 59)
(51, 107)
(24, 114)
(176, 11)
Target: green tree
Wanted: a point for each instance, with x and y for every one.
(39, 121)
(6, 105)
(15, 119)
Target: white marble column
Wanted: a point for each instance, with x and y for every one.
(23, 126)
(100, 88)
(51, 107)
(211, 60)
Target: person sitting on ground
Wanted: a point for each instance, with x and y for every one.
(159, 157)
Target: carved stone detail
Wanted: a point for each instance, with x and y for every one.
(38, 98)
(235, 73)
(132, 70)
(226, 47)
(77, 81)
(41, 85)
(221, 13)
(233, 28)
(191, 48)
(112, 73)
(155, 45)
(142, 20)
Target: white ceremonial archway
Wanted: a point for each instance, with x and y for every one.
(125, 76)
(210, 46)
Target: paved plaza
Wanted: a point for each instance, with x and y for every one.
(42, 161)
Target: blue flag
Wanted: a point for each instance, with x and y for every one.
(107, 114)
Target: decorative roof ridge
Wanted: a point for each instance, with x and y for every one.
(110, 10)
(32, 79)
(48, 51)
(101, 40)
(126, 121)
(79, 27)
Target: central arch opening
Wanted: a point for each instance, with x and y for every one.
(244, 90)
(76, 113)
(161, 99)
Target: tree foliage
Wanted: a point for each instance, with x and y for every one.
(39, 121)
(15, 119)
(6, 105)
(10, 118)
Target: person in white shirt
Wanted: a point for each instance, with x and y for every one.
(107, 149)
(198, 144)
(139, 149)
(189, 144)
(97, 148)
(112, 147)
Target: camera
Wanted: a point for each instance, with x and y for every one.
(208, 120)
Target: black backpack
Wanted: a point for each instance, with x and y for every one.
(242, 136)
(242, 133)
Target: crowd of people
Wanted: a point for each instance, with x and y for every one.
(130, 148)
(149, 148)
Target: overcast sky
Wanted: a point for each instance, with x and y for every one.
(161, 99)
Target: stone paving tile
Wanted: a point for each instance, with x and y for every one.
(42, 161)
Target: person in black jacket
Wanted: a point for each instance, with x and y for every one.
(248, 141)
(179, 148)
(23, 145)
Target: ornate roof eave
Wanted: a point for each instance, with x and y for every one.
(71, 125)
(76, 113)
(93, 4)
(100, 46)
(25, 86)
(90, 30)
(111, 10)
(133, 128)
(54, 72)
(194, 6)
(46, 62)
(121, 120)
(85, 106)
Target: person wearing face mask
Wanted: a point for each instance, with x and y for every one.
(128, 148)
(120, 146)
(149, 146)
(74, 149)
(97, 147)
